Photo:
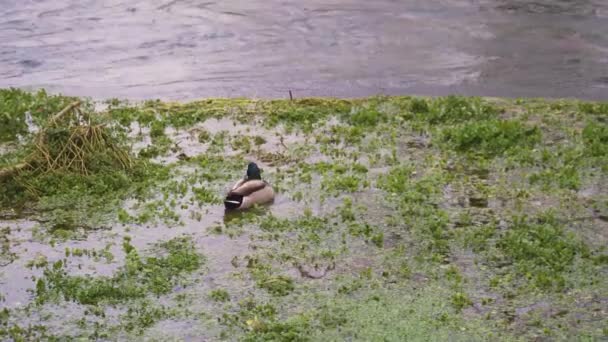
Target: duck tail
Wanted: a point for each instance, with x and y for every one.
(233, 201)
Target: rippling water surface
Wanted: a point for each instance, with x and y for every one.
(184, 49)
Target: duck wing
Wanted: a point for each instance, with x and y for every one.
(248, 187)
(249, 193)
(237, 184)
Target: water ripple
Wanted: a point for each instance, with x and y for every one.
(179, 49)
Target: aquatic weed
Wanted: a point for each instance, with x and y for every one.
(364, 117)
(455, 109)
(491, 138)
(460, 300)
(593, 108)
(15, 103)
(541, 250)
(277, 285)
(220, 295)
(138, 277)
(142, 315)
(417, 202)
(595, 138)
(302, 113)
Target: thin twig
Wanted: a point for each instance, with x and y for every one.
(65, 110)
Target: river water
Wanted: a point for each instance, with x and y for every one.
(185, 49)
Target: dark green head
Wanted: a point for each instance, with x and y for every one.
(253, 171)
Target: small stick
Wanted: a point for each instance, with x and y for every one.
(282, 142)
(68, 108)
(290, 95)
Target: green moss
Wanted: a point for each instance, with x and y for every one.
(122, 113)
(377, 316)
(211, 168)
(250, 315)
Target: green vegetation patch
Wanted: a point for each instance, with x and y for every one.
(417, 200)
(158, 115)
(491, 138)
(452, 110)
(379, 315)
(136, 279)
(337, 177)
(14, 103)
(368, 116)
(220, 295)
(595, 138)
(541, 250)
(597, 108)
(302, 113)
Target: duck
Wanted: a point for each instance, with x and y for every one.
(249, 191)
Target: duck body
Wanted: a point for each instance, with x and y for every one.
(249, 191)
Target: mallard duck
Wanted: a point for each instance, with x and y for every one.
(249, 191)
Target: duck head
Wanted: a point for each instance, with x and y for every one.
(253, 171)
